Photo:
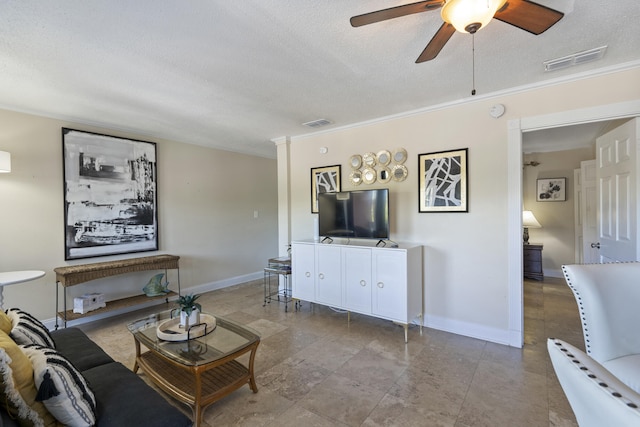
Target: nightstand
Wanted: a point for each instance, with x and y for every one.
(532, 261)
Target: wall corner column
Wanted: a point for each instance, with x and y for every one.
(283, 157)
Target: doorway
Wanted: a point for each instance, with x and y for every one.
(515, 129)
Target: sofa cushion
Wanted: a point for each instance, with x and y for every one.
(124, 399)
(83, 353)
(28, 330)
(5, 323)
(17, 387)
(62, 389)
(627, 369)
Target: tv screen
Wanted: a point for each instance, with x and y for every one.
(358, 214)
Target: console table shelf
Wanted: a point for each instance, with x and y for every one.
(76, 274)
(133, 301)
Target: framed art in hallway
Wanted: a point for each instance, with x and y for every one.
(110, 195)
(443, 181)
(325, 179)
(551, 190)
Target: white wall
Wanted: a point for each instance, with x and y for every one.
(206, 204)
(466, 254)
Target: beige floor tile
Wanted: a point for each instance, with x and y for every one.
(245, 408)
(314, 367)
(392, 411)
(342, 399)
(293, 378)
(371, 369)
(300, 417)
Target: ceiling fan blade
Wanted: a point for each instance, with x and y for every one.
(395, 12)
(526, 15)
(436, 44)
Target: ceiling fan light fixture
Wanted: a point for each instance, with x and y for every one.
(468, 16)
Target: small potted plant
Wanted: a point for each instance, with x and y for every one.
(189, 310)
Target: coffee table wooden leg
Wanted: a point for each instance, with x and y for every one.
(135, 365)
(197, 407)
(252, 379)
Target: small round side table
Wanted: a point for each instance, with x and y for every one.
(13, 277)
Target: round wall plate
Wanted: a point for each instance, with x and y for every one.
(496, 111)
(384, 157)
(384, 175)
(355, 161)
(355, 177)
(369, 175)
(399, 173)
(400, 155)
(369, 159)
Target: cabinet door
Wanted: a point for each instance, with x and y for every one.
(328, 275)
(303, 272)
(390, 284)
(356, 263)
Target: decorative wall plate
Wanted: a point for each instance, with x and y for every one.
(384, 175)
(355, 177)
(355, 161)
(400, 155)
(384, 157)
(369, 175)
(399, 173)
(369, 159)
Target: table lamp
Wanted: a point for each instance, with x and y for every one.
(529, 221)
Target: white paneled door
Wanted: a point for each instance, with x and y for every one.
(616, 177)
(589, 209)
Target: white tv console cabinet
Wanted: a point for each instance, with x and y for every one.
(383, 282)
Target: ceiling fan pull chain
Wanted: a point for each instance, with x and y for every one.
(473, 64)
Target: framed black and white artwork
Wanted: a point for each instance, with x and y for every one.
(551, 190)
(110, 195)
(443, 181)
(323, 180)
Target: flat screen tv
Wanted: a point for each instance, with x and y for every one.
(360, 214)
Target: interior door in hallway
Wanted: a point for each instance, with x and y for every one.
(616, 176)
(588, 212)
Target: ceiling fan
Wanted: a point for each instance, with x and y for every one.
(468, 16)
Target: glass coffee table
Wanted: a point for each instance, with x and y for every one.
(198, 371)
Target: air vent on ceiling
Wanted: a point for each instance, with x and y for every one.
(575, 59)
(317, 123)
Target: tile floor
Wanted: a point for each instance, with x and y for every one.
(315, 369)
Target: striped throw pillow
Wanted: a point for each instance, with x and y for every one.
(61, 387)
(26, 329)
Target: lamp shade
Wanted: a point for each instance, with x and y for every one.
(5, 162)
(529, 220)
(468, 16)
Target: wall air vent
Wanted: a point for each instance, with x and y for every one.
(575, 59)
(317, 123)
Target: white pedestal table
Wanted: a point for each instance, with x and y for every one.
(13, 277)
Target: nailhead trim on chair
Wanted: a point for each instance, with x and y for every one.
(585, 328)
(593, 377)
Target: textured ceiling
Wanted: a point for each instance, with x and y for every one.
(237, 74)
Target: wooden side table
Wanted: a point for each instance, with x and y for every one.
(532, 261)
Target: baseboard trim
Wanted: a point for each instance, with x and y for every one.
(473, 330)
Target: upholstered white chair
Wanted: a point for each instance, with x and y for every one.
(608, 297)
(596, 396)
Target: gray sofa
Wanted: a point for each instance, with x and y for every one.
(122, 397)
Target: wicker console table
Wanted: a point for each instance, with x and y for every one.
(77, 274)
